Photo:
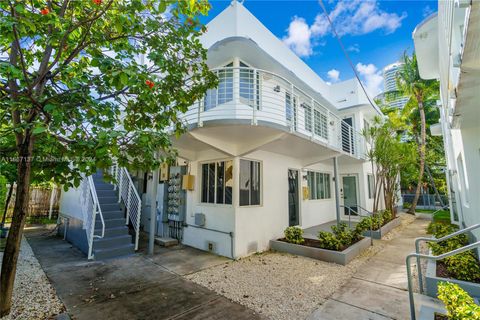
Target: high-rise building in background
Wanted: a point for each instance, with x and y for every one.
(391, 96)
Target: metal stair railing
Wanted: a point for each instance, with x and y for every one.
(91, 207)
(427, 239)
(130, 197)
(369, 214)
(420, 256)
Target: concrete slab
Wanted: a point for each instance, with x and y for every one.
(184, 260)
(379, 299)
(131, 288)
(335, 310)
(166, 242)
(384, 272)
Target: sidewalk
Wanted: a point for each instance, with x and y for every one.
(378, 290)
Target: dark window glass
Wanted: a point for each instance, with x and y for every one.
(204, 182)
(220, 182)
(211, 183)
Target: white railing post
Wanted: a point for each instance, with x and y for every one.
(137, 229)
(199, 121)
(120, 183)
(350, 139)
(254, 105)
(292, 109)
(312, 119)
(129, 196)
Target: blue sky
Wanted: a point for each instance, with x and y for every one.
(375, 32)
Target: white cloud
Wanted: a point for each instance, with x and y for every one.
(371, 77)
(354, 48)
(299, 37)
(352, 17)
(333, 75)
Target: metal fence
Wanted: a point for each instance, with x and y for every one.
(39, 203)
(426, 201)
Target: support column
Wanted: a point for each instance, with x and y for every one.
(337, 189)
(153, 210)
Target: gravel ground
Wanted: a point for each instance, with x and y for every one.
(33, 296)
(283, 286)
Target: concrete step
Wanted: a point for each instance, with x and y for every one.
(113, 232)
(115, 252)
(112, 215)
(110, 223)
(112, 242)
(110, 207)
(108, 199)
(166, 242)
(107, 193)
(103, 186)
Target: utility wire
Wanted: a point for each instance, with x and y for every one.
(346, 54)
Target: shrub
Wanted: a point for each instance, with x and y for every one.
(459, 305)
(440, 229)
(294, 235)
(463, 266)
(328, 241)
(340, 237)
(387, 215)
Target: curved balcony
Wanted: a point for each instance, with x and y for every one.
(258, 97)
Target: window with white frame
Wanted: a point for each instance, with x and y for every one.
(320, 121)
(249, 86)
(318, 185)
(308, 116)
(250, 182)
(217, 182)
(371, 186)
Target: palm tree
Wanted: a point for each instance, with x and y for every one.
(419, 90)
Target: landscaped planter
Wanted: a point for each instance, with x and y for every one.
(432, 280)
(377, 234)
(340, 257)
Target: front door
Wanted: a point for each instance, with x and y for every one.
(349, 192)
(293, 198)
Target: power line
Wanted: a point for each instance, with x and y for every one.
(346, 55)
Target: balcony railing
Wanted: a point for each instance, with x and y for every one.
(261, 96)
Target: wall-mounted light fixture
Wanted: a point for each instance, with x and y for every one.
(276, 88)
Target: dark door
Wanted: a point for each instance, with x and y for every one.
(293, 198)
(347, 135)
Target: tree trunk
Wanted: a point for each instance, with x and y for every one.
(434, 186)
(7, 202)
(12, 248)
(421, 151)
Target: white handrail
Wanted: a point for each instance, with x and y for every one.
(130, 197)
(97, 205)
(91, 207)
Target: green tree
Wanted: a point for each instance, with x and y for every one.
(92, 80)
(389, 156)
(420, 91)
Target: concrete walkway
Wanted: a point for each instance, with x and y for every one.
(136, 287)
(378, 290)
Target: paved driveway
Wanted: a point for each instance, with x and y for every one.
(136, 287)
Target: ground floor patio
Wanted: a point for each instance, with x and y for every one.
(135, 287)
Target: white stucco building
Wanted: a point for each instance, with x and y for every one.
(448, 48)
(260, 148)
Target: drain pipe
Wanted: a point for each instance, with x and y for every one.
(337, 189)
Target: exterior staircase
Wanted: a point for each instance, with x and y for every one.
(117, 241)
